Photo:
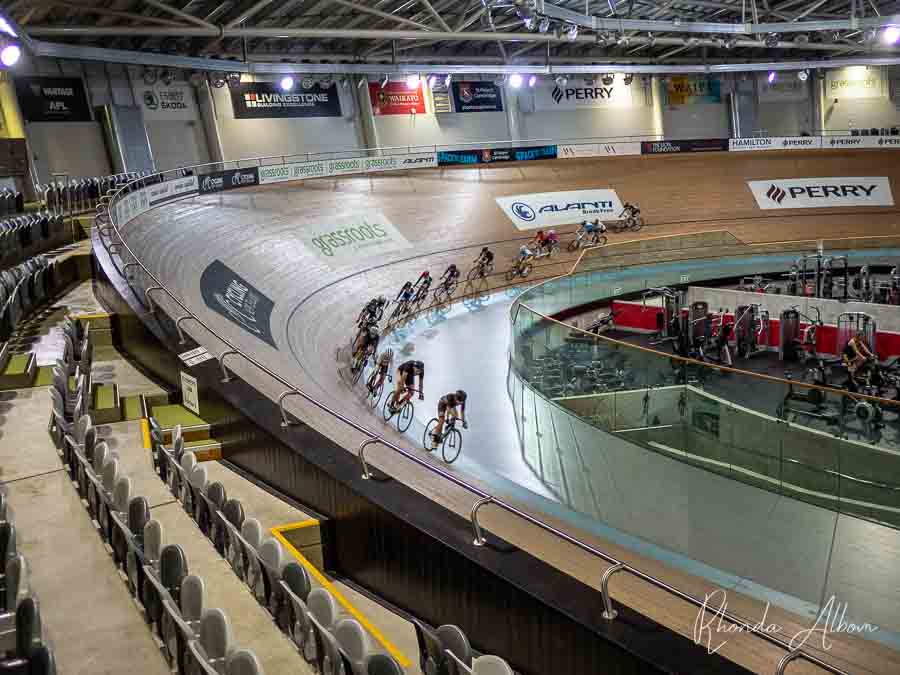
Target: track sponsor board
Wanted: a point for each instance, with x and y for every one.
(875, 142)
(227, 293)
(365, 235)
(228, 180)
(175, 101)
(489, 155)
(531, 211)
(690, 90)
(822, 193)
(263, 100)
(53, 99)
(775, 143)
(476, 97)
(691, 145)
(598, 150)
(855, 82)
(396, 98)
(339, 167)
(575, 96)
(171, 190)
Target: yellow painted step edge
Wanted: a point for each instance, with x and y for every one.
(355, 613)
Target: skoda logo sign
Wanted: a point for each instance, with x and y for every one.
(523, 211)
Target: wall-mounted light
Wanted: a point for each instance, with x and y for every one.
(607, 79)
(544, 25)
(628, 79)
(384, 81)
(448, 80)
(803, 75)
(412, 81)
(532, 81)
(771, 40)
(167, 76)
(891, 35)
(217, 79)
(561, 81)
(287, 83)
(772, 77)
(10, 53)
(233, 79)
(515, 80)
(572, 33)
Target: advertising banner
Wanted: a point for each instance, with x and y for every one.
(544, 209)
(53, 99)
(396, 99)
(488, 156)
(775, 143)
(228, 180)
(783, 90)
(857, 82)
(171, 190)
(687, 90)
(166, 102)
(338, 167)
(821, 193)
(599, 150)
(366, 235)
(575, 96)
(694, 145)
(265, 100)
(227, 293)
(476, 97)
(876, 142)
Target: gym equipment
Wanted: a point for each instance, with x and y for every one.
(755, 284)
(815, 398)
(862, 284)
(849, 323)
(711, 335)
(789, 335)
(751, 330)
(668, 318)
(826, 288)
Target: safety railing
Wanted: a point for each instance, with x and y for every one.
(109, 232)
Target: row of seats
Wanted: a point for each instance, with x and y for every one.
(23, 646)
(446, 651)
(22, 289)
(82, 194)
(195, 638)
(11, 202)
(27, 235)
(332, 643)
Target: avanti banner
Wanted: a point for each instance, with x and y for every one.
(544, 209)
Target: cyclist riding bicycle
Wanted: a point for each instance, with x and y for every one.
(630, 211)
(540, 240)
(367, 342)
(450, 275)
(552, 238)
(485, 258)
(594, 227)
(406, 381)
(448, 404)
(424, 279)
(382, 370)
(525, 254)
(406, 293)
(373, 311)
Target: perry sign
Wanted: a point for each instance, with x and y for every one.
(528, 212)
(812, 193)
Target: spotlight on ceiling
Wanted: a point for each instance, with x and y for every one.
(448, 80)
(6, 28)
(771, 40)
(525, 12)
(10, 54)
(891, 35)
(607, 79)
(217, 79)
(730, 42)
(622, 40)
(572, 32)
(412, 81)
(515, 80)
(532, 81)
(801, 39)
(528, 21)
(803, 75)
(384, 81)
(772, 77)
(432, 80)
(287, 83)
(628, 79)
(233, 79)
(544, 25)
(561, 81)
(167, 76)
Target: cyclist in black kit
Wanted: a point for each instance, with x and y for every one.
(450, 275)
(449, 404)
(406, 381)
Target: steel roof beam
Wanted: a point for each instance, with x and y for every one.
(190, 18)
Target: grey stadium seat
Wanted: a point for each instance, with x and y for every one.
(323, 607)
(243, 662)
(490, 665)
(382, 664)
(453, 639)
(353, 640)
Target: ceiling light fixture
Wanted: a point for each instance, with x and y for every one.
(412, 81)
(572, 33)
(730, 42)
(891, 35)
(10, 55)
(628, 79)
(771, 40)
(803, 75)
(532, 81)
(515, 80)
(287, 83)
(233, 79)
(561, 81)
(772, 77)
(607, 79)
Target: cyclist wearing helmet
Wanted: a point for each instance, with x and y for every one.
(629, 211)
(367, 342)
(450, 275)
(552, 238)
(525, 253)
(424, 279)
(406, 292)
(449, 404)
(406, 381)
(382, 369)
(373, 311)
(540, 240)
(486, 257)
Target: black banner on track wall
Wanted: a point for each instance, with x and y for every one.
(693, 145)
(476, 97)
(260, 100)
(228, 180)
(53, 99)
(226, 292)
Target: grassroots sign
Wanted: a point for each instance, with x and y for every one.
(337, 167)
(229, 294)
(170, 190)
(531, 211)
(53, 99)
(362, 236)
(260, 100)
(599, 149)
(476, 97)
(812, 193)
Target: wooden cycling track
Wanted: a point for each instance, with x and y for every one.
(444, 213)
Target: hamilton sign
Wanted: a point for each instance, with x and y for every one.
(531, 211)
(813, 193)
(775, 143)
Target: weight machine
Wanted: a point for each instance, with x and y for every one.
(754, 284)
(826, 289)
(862, 284)
(751, 330)
(667, 320)
(795, 343)
(849, 323)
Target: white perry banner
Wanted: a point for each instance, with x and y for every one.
(578, 95)
(361, 236)
(338, 167)
(598, 150)
(874, 142)
(812, 193)
(543, 209)
(775, 143)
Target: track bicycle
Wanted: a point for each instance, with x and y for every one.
(520, 268)
(404, 414)
(445, 290)
(582, 238)
(451, 438)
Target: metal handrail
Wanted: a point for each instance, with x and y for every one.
(484, 498)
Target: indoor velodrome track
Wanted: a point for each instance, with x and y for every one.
(447, 214)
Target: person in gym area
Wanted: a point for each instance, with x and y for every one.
(857, 354)
(406, 383)
(453, 404)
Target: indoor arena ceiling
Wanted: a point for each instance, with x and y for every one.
(468, 33)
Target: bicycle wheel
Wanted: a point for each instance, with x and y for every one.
(386, 408)
(375, 394)
(452, 445)
(575, 244)
(451, 289)
(473, 273)
(426, 437)
(510, 274)
(636, 224)
(405, 418)
(601, 240)
(526, 270)
(358, 367)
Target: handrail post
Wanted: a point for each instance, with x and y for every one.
(360, 453)
(226, 378)
(181, 338)
(786, 659)
(608, 612)
(126, 266)
(285, 422)
(149, 299)
(476, 526)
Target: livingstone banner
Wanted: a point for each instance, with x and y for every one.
(544, 209)
(265, 100)
(821, 193)
(339, 167)
(775, 143)
(599, 150)
(365, 235)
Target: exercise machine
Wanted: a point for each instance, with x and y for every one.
(832, 266)
(850, 323)
(667, 314)
(862, 285)
(754, 284)
(751, 330)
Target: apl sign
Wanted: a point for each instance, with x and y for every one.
(544, 209)
(811, 193)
